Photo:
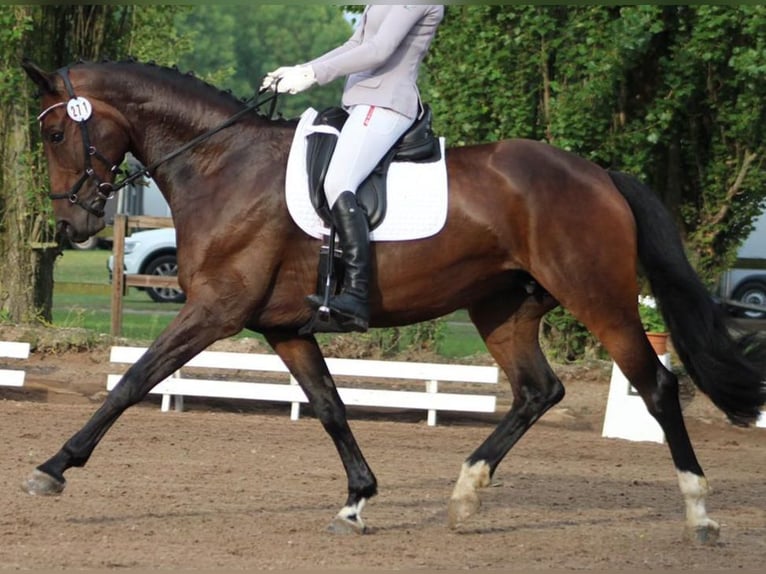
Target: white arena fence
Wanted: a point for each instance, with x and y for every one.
(432, 375)
(626, 416)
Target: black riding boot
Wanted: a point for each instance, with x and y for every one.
(351, 305)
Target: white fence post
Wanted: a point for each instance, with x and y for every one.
(13, 350)
(295, 407)
(432, 387)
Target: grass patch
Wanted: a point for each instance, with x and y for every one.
(82, 301)
(82, 267)
(460, 340)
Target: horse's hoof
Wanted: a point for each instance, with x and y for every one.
(706, 534)
(341, 525)
(461, 509)
(40, 483)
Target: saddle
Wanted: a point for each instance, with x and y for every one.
(418, 145)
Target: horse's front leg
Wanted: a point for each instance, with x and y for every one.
(182, 340)
(306, 363)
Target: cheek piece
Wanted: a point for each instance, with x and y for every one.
(79, 110)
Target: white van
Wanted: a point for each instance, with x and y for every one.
(742, 289)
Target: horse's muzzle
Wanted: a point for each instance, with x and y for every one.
(65, 231)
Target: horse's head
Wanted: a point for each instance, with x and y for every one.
(85, 141)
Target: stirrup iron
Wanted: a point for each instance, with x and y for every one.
(322, 321)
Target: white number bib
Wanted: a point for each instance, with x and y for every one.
(79, 109)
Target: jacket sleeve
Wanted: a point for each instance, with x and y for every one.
(374, 51)
(354, 41)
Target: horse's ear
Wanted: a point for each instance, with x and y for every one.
(43, 79)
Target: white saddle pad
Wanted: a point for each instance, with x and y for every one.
(416, 202)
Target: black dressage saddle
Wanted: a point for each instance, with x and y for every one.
(418, 144)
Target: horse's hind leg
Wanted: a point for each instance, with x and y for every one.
(183, 339)
(658, 388)
(306, 363)
(509, 324)
(615, 322)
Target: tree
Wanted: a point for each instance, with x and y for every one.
(236, 48)
(673, 94)
(53, 36)
(20, 259)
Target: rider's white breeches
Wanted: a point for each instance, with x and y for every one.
(367, 135)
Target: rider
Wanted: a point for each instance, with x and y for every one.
(381, 60)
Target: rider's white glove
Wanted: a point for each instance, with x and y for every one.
(293, 80)
(272, 77)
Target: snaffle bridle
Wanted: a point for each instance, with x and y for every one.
(105, 190)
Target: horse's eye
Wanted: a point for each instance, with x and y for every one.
(56, 137)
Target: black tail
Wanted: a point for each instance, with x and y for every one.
(730, 371)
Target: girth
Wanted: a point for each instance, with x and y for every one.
(418, 144)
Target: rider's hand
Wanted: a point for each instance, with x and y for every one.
(272, 77)
(294, 80)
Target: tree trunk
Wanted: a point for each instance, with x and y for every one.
(17, 265)
(15, 291)
(26, 268)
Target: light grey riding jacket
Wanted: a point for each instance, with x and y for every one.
(382, 57)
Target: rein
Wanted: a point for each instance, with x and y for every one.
(105, 190)
(252, 105)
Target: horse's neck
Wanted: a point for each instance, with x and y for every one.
(163, 114)
(160, 129)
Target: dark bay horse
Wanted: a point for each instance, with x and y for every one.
(529, 227)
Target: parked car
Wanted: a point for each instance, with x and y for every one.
(152, 252)
(742, 289)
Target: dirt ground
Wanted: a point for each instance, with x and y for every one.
(236, 486)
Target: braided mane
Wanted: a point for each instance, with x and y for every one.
(188, 82)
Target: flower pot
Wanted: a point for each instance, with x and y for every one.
(659, 342)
